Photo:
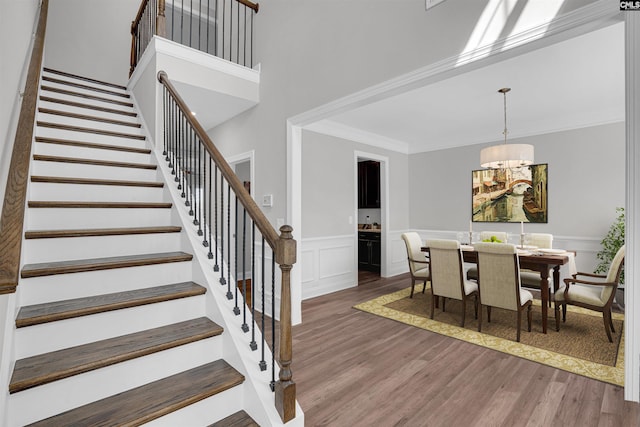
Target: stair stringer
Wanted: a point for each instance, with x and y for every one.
(259, 400)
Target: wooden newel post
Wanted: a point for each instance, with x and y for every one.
(161, 20)
(285, 387)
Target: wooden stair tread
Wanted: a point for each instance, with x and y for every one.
(88, 106)
(46, 158)
(46, 368)
(53, 234)
(87, 79)
(90, 130)
(58, 310)
(95, 264)
(86, 96)
(96, 145)
(88, 117)
(239, 419)
(92, 181)
(153, 400)
(98, 205)
(87, 87)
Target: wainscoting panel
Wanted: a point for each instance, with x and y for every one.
(328, 265)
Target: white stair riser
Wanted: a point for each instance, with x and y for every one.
(219, 406)
(90, 137)
(85, 91)
(78, 390)
(37, 290)
(84, 100)
(93, 124)
(52, 336)
(70, 248)
(52, 105)
(60, 150)
(63, 218)
(91, 171)
(94, 193)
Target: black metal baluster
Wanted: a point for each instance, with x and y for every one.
(238, 34)
(224, 24)
(251, 40)
(215, 31)
(181, 20)
(199, 189)
(173, 9)
(236, 309)
(244, 39)
(208, 25)
(229, 294)
(253, 345)
(188, 171)
(191, 24)
(222, 279)
(273, 321)
(207, 209)
(263, 363)
(245, 327)
(165, 114)
(199, 22)
(181, 142)
(215, 219)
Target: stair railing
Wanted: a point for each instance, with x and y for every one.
(223, 28)
(233, 228)
(15, 196)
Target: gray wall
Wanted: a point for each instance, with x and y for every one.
(586, 183)
(328, 185)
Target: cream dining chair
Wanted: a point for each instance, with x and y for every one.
(472, 272)
(530, 278)
(418, 264)
(447, 275)
(596, 292)
(499, 282)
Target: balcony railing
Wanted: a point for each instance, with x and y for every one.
(223, 28)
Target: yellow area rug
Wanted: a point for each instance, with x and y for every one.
(581, 346)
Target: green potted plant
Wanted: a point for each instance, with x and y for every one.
(612, 241)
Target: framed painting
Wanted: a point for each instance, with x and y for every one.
(510, 195)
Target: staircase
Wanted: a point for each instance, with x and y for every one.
(113, 326)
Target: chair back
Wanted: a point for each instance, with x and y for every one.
(613, 275)
(413, 242)
(498, 275)
(445, 263)
(500, 235)
(541, 240)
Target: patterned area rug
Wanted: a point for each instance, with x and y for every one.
(581, 346)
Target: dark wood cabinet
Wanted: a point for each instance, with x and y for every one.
(369, 251)
(368, 184)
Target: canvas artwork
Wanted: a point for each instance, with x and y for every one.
(510, 195)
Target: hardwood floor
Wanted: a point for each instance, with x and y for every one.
(356, 369)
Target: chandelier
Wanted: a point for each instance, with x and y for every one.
(506, 156)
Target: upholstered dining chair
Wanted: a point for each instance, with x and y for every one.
(595, 293)
(499, 282)
(472, 272)
(530, 278)
(447, 275)
(418, 264)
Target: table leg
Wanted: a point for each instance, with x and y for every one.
(544, 296)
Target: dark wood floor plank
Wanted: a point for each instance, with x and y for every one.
(97, 205)
(239, 419)
(95, 264)
(58, 310)
(151, 401)
(45, 368)
(95, 131)
(354, 368)
(86, 96)
(88, 106)
(87, 79)
(86, 87)
(92, 181)
(55, 234)
(88, 117)
(109, 163)
(95, 145)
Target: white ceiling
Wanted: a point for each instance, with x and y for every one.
(572, 84)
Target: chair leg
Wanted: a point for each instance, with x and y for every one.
(529, 317)
(488, 314)
(433, 303)
(519, 323)
(557, 313)
(444, 300)
(480, 319)
(611, 322)
(464, 311)
(413, 285)
(424, 286)
(606, 316)
(475, 306)
(564, 312)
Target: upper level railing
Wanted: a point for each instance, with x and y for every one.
(240, 240)
(223, 28)
(12, 220)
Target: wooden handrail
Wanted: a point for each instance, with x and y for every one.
(254, 6)
(141, 9)
(263, 224)
(15, 196)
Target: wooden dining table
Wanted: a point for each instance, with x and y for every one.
(536, 262)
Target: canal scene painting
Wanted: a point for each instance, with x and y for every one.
(510, 195)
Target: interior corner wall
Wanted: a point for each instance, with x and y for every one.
(91, 38)
(586, 183)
